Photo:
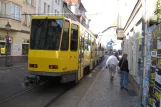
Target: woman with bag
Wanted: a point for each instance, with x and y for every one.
(124, 70)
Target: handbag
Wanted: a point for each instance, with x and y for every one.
(119, 71)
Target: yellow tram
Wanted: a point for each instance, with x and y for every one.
(60, 47)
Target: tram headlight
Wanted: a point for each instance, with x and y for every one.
(53, 66)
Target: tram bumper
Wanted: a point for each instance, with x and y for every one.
(64, 76)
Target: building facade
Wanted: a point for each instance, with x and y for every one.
(78, 9)
(133, 21)
(11, 11)
(58, 4)
(130, 31)
(49, 6)
(67, 12)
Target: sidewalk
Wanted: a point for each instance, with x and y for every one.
(16, 64)
(104, 93)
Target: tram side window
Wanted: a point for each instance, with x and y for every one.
(74, 38)
(86, 42)
(65, 37)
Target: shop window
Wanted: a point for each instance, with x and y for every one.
(3, 48)
(25, 47)
(74, 37)
(65, 37)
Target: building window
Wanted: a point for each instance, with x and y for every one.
(48, 8)
(74, 38)
(65, 38)
(29, 20)
(10, 10)
(39, 6)
(30, 2)
(25, 20)
(15, 12)
(25, 47)
(55, 12)
(44, 7)
(58, 2)
(5, 9)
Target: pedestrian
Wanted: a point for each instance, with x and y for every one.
(112, 63)
(123, 64)
(117, 55)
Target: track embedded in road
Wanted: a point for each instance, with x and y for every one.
(38, 96)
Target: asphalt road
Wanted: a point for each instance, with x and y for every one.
(12, 82)
(73, 97)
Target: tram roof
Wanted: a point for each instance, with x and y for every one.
(43, 16)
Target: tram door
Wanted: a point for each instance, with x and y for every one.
(74, 49)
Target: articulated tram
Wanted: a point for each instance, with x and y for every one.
(60, 47)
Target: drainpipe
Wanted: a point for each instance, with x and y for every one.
(144, 29)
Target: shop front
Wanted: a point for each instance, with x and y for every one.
(16, 50)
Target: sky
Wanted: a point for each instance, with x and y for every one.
(108, 13)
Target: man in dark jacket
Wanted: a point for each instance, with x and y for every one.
(123, 64)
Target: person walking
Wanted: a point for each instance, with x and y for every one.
(112, 63)
(123, 64)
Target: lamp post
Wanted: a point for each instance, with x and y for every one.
(8, 28)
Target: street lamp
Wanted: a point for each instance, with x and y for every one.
(8, 28)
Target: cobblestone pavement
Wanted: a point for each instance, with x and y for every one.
(104, 93)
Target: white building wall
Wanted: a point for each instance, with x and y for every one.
(40, 6)
(68, 14)
(57, 6)
(52, 6)
(75, 9)
(134, 21)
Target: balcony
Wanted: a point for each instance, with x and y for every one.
(120, 34)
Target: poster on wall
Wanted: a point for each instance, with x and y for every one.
(156, 99)
(153, 66)
(158, 81)
(147, 66)
(17, 49)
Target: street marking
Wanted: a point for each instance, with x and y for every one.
(90, 75)
(88, 90)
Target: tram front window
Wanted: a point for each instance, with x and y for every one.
(45, 34)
